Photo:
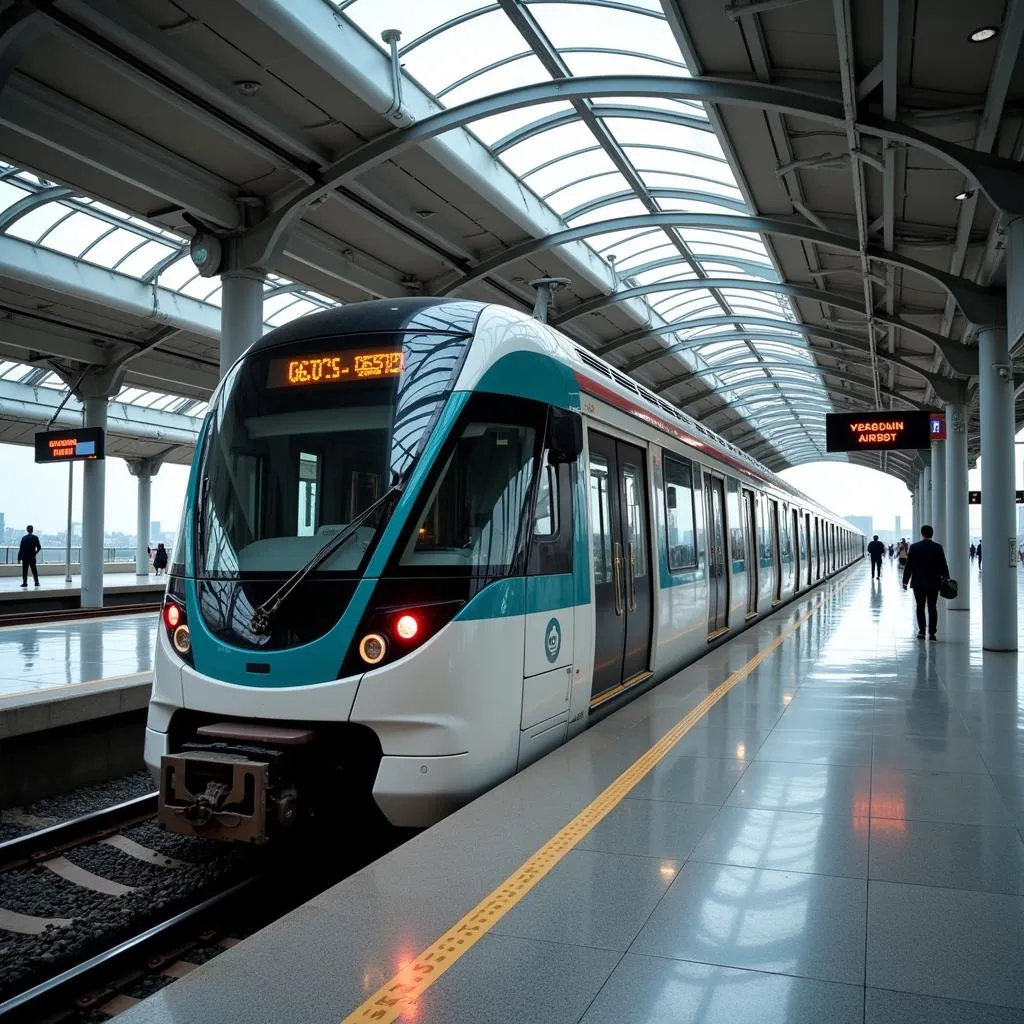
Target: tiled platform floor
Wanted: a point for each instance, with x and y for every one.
(43, 657)
(839, 839)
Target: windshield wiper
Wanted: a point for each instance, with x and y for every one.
(264, 613)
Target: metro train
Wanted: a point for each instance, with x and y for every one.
(426, 541)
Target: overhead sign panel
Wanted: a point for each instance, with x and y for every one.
(78, 445)
(875, 431)
(974, 497)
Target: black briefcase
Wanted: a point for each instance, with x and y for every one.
(948, 588)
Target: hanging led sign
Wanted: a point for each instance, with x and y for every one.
(974, 497)
(79, 445)
(876, 431)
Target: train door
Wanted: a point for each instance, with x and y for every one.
(797, 549)
(750, 539)
(718, 569)
(809, 548)
(773, 525)
(623, 597)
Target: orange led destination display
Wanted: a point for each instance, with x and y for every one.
(323, 368)
(860, 431)
(74, 445)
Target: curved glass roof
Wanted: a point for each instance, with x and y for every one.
(53, 217)
(595, 160)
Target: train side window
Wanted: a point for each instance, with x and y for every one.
(679, 514)
(545, 519)
(551, 544)
(600, 519)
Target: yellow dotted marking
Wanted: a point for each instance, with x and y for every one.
(401, 992)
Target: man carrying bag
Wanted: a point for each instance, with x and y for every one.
(925, 571)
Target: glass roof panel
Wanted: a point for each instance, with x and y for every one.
(374, 16)
(112, 247)
(623, 208)
(33, 225)
(143, 259)
(546, 180)
(74, 234)
(633, 131)
(532, 152)
(580, 192)
(605, 61)
(566, 25)
(524, 70)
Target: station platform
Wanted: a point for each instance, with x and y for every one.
(73, 699)
(817, 821)
(54, 593)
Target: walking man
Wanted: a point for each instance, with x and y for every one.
(27, 551)
(876, 549)
(926, 568)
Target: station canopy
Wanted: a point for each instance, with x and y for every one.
(599, 160)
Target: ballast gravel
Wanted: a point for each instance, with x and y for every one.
(18, 821)
(98, 920)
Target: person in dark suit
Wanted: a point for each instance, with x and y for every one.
(876, 549)
(27, 551)
(926, 568)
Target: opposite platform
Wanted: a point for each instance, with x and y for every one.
(836, 838)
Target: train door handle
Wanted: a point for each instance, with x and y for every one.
(632, 578)
(617, 576)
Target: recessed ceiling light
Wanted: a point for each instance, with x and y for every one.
(983, 35)
(248, 87)
(961, 196)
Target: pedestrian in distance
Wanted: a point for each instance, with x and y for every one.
(925, 570)
(901, 553)
(978, 552)
(892, 552)
(27, 551)
(160, 560)
(974, 551)
(876, 549)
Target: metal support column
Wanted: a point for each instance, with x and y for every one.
(998, 506)
(938, 511)
(241, 314)
(144, 470)
(957, 537)
(926, 500)
(94, 478)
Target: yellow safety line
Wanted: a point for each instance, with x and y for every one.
(391, 999)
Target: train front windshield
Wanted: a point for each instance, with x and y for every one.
(307, 436)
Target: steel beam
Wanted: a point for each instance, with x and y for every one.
(999, 178)
(961, 359)
(41, 113)
(980, 305)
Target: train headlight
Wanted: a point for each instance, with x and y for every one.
(181, 640)
(175, 620)
(372, 648)
(407, 626)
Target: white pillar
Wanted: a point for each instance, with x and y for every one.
(143, 470)
(142, 532)
(94, 480)
(998, 506)
(926, 500)
(957, 539)
(241, 314)
(938, 512)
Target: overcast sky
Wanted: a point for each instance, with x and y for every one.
(39, 494)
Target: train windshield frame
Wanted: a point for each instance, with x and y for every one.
(289, 461)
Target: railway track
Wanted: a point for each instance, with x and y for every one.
(97, 983)
(46, 843)
(30, 618)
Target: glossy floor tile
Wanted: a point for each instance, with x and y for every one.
(659, 991)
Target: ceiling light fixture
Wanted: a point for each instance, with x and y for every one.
(983, 35)
(961, 196)
(248, 87)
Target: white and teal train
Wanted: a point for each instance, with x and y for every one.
(427, 541)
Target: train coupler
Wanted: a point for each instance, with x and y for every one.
(215, 795)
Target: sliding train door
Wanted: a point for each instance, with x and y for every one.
(773, 524)
(623, 595)
(718, 567)
(750, 541)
